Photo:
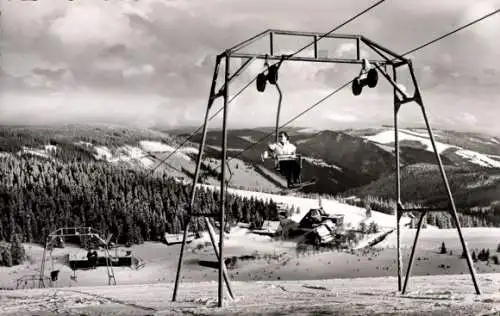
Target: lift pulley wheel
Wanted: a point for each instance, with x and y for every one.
(261, 82)
(372, 78)
(272, 74)
(369, 79)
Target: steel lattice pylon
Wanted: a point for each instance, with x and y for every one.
(387, 59)
(78, 231)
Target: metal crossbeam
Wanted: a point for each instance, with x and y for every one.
(312, 34)
(312, 59)
(389, 58)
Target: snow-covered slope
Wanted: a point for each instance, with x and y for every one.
(147, 154)
(387, 137)
(157, 147)
(352, 215)
(435, 236)
(308, 131)
(321, 162)
(44, 152)
(427, 295)
(478, 158)
(249, 139)
(241, 174)
(137, 155)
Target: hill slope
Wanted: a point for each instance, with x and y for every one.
(362, 162)
(350, 162)
(452, 294)
(343, 160)
(142, 149)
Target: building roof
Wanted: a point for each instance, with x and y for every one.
(324, 233)
(177, 238)
(271, 226)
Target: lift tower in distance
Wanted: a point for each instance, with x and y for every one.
(367, 77)
(78, 231)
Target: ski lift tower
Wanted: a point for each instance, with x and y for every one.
(76, 232)
(368, 76)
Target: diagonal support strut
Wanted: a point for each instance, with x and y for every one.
(453, 211)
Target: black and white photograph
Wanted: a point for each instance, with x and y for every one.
(249, 157)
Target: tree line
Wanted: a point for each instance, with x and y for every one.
(14, 138)
(38, 195)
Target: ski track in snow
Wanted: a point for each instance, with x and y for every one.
(429, 295)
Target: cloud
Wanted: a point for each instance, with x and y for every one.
(102, 25)
(165, 50)
(80, 107)
(143, 70)
(341, 117)
(468, 118)
(49, 73)
(487, 31)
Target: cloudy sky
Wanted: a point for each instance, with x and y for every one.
(149, 63)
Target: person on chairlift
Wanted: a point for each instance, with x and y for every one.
(285, 153)
(283, 147)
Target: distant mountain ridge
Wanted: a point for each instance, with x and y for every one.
(350, 158)
(353, 161)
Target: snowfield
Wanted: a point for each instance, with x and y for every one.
(322, 163)
(240, 174)
(387, 137)
(44, 153)
(324, 283)
(157, 147)
(190, 150)
(246, 242)
(478, 159)
(219, 148)
(352, 215)
(435, 236)
(134, 154)
(103, 153)
(308, 131)
(249, 139)
(328, 283)
(138, 155)
(152, 146)
(428, 295)
(148, 154)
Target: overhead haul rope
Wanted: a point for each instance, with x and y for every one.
(349, 82)
(338, 89)
(199, 128)
(337, 27)
(255, 78)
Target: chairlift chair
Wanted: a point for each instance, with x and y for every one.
(272, 76)
(368, 76)
(54, 275)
